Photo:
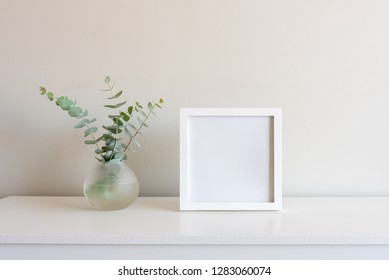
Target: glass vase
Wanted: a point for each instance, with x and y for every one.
(111, 186)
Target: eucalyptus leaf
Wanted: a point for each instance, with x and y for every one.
(99, 159)
(59, 99)
(129, 134)
(107, 148)
(130, 109)
(119, 155)
(117, 146)
(92, 120)
(132, 127)
(124, 116)
(107, 136)
(143, 113)
(65, 104)
(117, 121)
(90, 142)
(116, 95)
(113, 129)
(74, 111)
(116, 105)
(81, 123)
(136, 142)
(50, 96)
(107, 155)
(150, 106)
(90, 131)
(142, 122)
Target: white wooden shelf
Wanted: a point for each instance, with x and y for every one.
(306, 228)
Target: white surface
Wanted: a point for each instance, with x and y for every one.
(69, 220)
(231, 158)
(326, 63)
(154, 228)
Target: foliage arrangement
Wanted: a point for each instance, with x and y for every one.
(117, 137)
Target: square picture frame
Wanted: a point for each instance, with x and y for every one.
(230, 159)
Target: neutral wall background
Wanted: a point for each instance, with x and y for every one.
(326, 63)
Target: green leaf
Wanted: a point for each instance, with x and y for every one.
(89, 131)
(90, 142)
(81, 123)
(92, 120)
(124, 116)
(132, 126)
(119, 155)
(50, 96)
(59, 100)
(107, 155)
(116, 95)
(136, 143)
(108, 136)
(85, 113)
(118, 122)
(130, 109)
(161, 101)
(131, 150)
(75, 111)
(107, 79)
(113, 129)
(98, 151)
(107, 148)
(143, 113)
(117, 146)
(99, 159)
(116, 105)
(143, 122)
(138, 105)
(156, 104)
(128, 133)
(65, 103)
(150, 106)
(113, 116)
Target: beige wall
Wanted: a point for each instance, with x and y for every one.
(326, 63)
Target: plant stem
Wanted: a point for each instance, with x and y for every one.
(117, 126)
(137, 131)
(93, 136)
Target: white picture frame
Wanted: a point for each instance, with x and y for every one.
(230, 159)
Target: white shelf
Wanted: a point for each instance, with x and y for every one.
(157, 221)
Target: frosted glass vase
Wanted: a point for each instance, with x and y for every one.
(111, 186)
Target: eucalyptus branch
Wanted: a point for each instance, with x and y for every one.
(140, 127)
(91, 134)
(113, 148)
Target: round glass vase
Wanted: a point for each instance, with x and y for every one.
(111, 186)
